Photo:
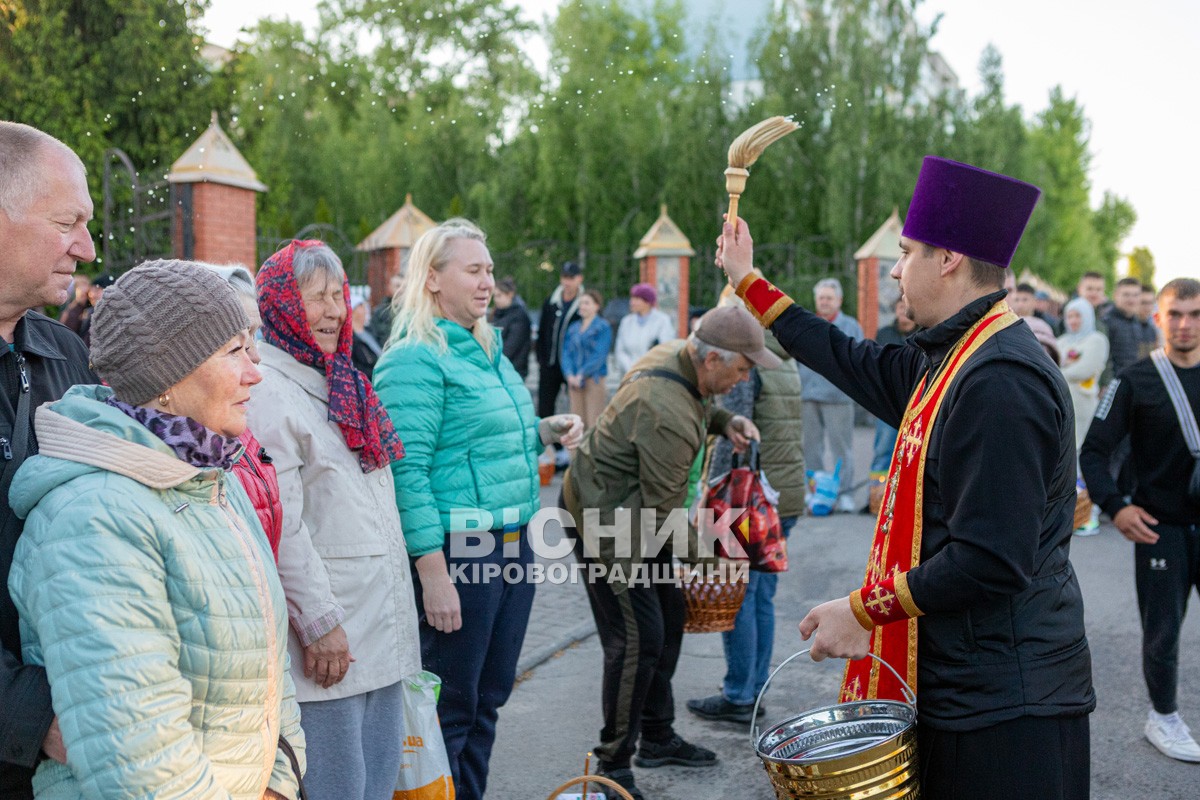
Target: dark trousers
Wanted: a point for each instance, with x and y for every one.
(641, 631)
(1047, 758)
(1165, 573)
(478, 662)
(550, 383)
(15, 782)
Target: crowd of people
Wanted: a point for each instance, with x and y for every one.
(233, 501)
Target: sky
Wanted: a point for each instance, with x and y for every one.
(1132, 66)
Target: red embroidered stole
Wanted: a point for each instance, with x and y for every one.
(897, 544)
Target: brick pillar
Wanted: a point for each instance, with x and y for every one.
(868, 296)
(216, 223)
(684, 290)
(648, 271)
(381, 266)
(213, 197)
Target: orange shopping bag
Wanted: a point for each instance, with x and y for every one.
(424, 767)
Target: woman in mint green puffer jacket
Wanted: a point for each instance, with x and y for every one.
(143, 579)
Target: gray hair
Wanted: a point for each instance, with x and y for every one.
(22, 150)
(316, 261)
(704, 348)
(236, 276)
(829, 283)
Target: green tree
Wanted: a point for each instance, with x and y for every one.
(992, 134)
(424, 112)
(854, 75)
(1061, 241)
(629, 123)
(1141, 265)
(1113, 221)
(108, 73)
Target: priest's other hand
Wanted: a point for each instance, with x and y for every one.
(835, 631)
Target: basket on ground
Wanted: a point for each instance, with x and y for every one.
(594, 781)
(1083, 508)
(712, 597)
(859, 750)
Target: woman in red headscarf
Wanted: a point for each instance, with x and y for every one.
(342, 558)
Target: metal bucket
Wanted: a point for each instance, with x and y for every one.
(862, 750)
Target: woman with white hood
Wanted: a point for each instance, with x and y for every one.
(1083, 353)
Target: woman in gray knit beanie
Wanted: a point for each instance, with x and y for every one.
(143, 579)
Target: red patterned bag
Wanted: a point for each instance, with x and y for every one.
(757, 534)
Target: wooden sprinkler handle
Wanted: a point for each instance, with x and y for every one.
(735, 184)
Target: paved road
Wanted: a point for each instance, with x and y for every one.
(553, 718)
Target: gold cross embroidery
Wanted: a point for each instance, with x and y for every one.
(912, 442)
(852, 692)
(881, 600)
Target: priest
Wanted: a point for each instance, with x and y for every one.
(969, 592)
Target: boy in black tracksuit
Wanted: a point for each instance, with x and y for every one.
(1160, 518)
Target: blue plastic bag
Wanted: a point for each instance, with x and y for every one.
(823, 490)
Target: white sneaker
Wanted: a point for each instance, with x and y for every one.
(846, 505)
(1171, 736)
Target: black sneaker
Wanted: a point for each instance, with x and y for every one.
(675, 751)
(623, 777)
(716, 707)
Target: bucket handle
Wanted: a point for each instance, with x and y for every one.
(910, 695)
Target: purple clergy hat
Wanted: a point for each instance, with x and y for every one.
(969, 210)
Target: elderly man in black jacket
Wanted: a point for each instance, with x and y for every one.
(44, 211)
(969, 592)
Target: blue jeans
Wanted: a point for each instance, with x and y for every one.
(748, 646)
(478, 662)
(885, 442)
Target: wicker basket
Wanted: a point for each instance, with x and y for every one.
(875, 495)
(1083, 508)
(713, 598)
(583, 780)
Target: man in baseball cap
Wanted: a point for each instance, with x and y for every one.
(732, 329)
(638, 457)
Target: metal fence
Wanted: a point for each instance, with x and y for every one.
(793, 266)
(136, 216)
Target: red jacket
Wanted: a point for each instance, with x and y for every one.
(257, 475)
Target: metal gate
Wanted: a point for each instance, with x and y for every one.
(137, 216)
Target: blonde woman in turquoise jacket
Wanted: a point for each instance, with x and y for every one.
(143, 579)
(471, 441)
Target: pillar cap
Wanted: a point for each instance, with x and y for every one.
(885, 241)
(664, 239)
(213, 159)
(400, 230)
